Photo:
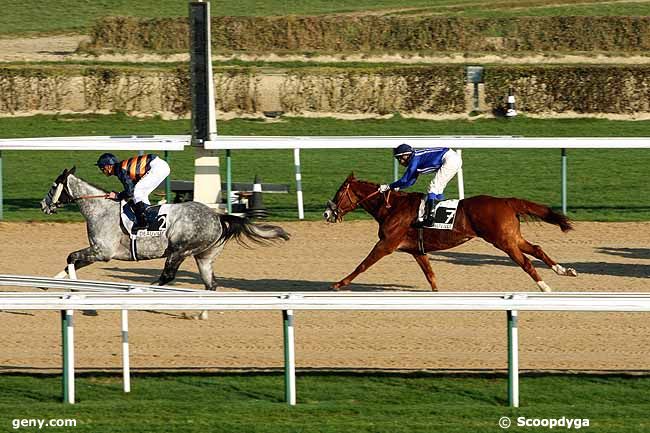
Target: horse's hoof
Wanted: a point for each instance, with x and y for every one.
(543, 286)
(336, 286)
(571, 272)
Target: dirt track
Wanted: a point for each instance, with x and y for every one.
(608, 256)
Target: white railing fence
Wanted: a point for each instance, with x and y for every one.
(116, 296)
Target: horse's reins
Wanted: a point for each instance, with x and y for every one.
(355, 204)
(83, 197)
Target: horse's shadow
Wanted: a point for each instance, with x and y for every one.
(633, 270)
(147, 276)
(628, 253)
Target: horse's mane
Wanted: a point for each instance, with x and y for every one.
(88, 183)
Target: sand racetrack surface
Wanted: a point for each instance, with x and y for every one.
(607, 256)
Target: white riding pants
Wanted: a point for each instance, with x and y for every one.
(451, 163)
(157, 173)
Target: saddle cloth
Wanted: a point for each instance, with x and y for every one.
(155, 216)
(445, 214)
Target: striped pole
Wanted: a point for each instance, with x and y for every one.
(513, 359)
(68, 348)
(67, 331)
(289, 358)
(296, 161)
(126, 369)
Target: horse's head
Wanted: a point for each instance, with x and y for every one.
(343, 202)
(59, 194)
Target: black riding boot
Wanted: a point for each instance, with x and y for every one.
(139, 209)
(427, 218)
(429, 212)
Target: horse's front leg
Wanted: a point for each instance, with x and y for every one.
(83, 258)
(425, 265)
(381, 249)
(173, 262)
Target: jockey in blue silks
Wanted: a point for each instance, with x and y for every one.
(442, 161)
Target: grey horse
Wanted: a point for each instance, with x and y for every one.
(193, 229)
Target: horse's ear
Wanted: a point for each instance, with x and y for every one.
(73, 169)
(351, 176)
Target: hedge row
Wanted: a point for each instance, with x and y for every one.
(379, 33)
(409, 90)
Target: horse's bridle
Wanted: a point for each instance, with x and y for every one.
(61, 188)
(338, 211)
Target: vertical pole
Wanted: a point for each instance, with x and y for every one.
(126, 369)
(68, 348)
(461, 181)
(64, 358)
(68, 355)
(1, 196)
(228, 181)
(513, 359)
(395, 170)
(289, 358)
(564, 180)
(168, 181)
(296, 161)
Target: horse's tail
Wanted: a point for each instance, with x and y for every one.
(536, 210)
(243, 230)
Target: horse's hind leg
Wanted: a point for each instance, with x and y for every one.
(518, 257)
(204, 263)
(425, 265)
(537, 252)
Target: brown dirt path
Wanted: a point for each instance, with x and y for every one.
(608, 256)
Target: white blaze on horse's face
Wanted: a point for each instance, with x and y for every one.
(330, 213)
(51, 199)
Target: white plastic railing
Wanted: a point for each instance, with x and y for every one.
(97, 295)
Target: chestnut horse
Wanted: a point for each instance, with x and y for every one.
(493, 219)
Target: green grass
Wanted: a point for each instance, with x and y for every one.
(608, 185)
(25, 16)
(327, 403)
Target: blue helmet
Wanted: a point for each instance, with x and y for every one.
(107, 159)
(402, 149)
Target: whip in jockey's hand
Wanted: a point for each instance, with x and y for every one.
(139, 175)
(442, 161)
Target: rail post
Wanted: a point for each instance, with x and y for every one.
(289, 358)
(513, 359)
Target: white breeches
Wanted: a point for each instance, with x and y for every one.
(157, 173)
(451, 163)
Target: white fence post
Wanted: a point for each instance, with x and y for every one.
(513, 359)
(126, 369)
(289, 358)
(296, 162)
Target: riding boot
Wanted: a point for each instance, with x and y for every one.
(139, 209)
(427, 218)
(429, 212)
